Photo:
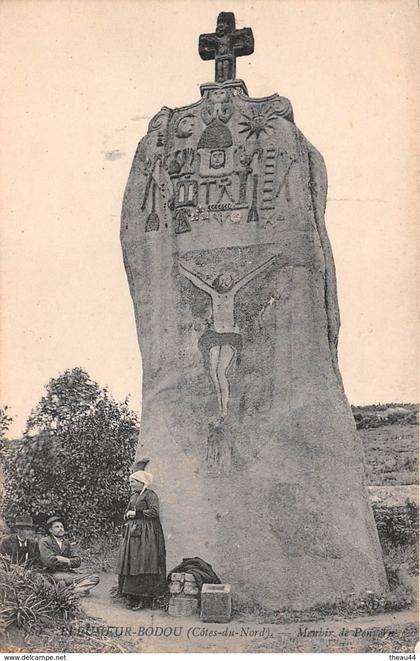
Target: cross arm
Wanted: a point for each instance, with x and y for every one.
(243, 42)
(207, 46)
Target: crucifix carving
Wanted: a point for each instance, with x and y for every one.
(225, 45)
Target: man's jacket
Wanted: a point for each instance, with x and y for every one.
(20, 552)
(49, 549)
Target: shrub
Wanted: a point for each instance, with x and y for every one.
(398, 534)
(73, 459)
(397, 525)
(28, 598)
(101, 555)
(5, 422)
(379, 415)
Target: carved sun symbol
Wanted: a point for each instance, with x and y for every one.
(258, 121)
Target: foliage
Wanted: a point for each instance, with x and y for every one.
(42, 615)
(101, 554)
(74, 458)
(401, 564)
(5, 421)
(383, 407)
(28, 598)
(397, 525)
(398, 531)
(379, 415)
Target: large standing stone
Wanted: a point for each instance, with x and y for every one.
(252, 441)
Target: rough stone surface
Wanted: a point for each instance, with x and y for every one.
(183, 583)
(216, 603)
(182, 606)
(253, 446)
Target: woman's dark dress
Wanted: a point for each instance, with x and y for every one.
(142, 557)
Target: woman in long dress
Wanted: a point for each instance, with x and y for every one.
(142, 556)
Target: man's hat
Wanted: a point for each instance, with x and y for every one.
(24, 521)
(53, 519)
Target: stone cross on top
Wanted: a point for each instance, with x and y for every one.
(225, 45)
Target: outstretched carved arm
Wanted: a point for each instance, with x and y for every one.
(198, 282)
(249, 276)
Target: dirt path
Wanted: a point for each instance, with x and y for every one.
(153, 631)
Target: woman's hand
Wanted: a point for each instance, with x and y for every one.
(131, 514)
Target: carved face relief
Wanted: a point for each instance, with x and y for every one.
(185, 126)
(218, 96)
(222, 28)
(217, 159)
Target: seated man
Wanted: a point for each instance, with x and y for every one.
(20, 546)
(61, 560)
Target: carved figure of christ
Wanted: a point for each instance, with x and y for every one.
(221, 342)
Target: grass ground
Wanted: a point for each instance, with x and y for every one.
(391, 454)
(389, 434)
(55, 638)
(383, 633)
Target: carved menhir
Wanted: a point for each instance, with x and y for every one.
(243, 409)
(225, 45)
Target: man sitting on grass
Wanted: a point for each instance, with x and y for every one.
(20, 547)
(61, 560)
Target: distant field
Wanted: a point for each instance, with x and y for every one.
(389, 434)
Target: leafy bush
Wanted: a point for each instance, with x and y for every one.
(5, 422)
(379, 415)
(73, 459)
(398, 532)
(28, 598)
(397, 525)
(368, 422)
(401, 565)
(101, 555)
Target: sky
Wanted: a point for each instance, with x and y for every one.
(80, 82)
